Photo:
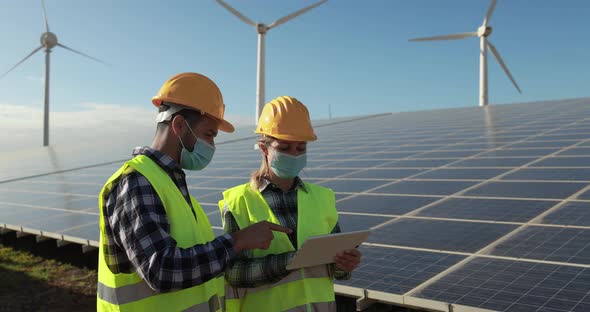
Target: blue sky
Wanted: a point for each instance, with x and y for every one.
(353, 55)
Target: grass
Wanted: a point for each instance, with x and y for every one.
(33, 283)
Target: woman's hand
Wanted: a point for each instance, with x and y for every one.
(348, 260)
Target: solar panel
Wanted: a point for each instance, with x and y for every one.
(88, 232)
(564, 162)
(424, 187)
(571, 213)
(505, 210)
(60, 221)
(493, 162)
(584, 195)
(520, 152)
(353, 185)
(382, 173)
(502, 285)
(352, 222)
(323, 173)
(470, 207)
(548, 174)
(397, 270)
(576, 151)
(353, 163)
(439, 235)
(418, 163)
(462, 174)
(383, 204)
(387, 155)
(541, 144)
(549, 244)
(527, 189)
(447, 154)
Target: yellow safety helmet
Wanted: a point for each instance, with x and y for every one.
(197, 92)
(286, 118)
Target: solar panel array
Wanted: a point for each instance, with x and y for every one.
(470, 208)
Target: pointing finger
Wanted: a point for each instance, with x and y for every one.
(278, 228)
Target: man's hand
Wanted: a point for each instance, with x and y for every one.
(257, 236)
(348, 260)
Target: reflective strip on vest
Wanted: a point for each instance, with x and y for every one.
(318, 271)
(211, 305)
(124, 294)
(139, 291)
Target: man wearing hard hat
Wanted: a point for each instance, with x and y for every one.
(259, 280)
(157, 249)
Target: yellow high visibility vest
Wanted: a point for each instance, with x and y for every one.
(308, 289)
(128, 292)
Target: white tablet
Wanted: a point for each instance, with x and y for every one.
(322, 249)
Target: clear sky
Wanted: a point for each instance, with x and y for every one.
(353, 55)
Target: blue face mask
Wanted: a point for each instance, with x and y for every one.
(201, 155)
(287, 166)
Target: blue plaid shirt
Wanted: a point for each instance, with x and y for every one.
(138, 234)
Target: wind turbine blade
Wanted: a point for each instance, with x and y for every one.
(293, 15)
(80, 53)
(447, 37)
(45, 15)
(24, 59)
(236, 13)
(486, 20)
(502, 64)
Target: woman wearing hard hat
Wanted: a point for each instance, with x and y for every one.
(258, 280)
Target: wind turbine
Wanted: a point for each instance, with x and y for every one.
(262, 29)
(48, 41)
(483, 32)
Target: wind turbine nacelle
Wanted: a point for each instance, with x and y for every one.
(261, 28)
(484, 31)
(48, 40)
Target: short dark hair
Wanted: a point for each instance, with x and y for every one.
(193, 117)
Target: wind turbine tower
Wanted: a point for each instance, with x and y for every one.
(48, 42)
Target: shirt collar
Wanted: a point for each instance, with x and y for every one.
(265, 183)
(162, 159)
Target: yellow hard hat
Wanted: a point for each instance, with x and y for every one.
(197, 92)
(286, 118)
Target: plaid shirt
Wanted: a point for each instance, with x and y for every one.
(138, 234)
(249, 272)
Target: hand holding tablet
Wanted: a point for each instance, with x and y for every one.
(323, 249)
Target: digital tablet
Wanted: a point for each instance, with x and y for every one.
(322, 249)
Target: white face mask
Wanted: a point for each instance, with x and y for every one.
(201, 155)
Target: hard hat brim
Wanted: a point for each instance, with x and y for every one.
(289, 137)
(224, 125)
